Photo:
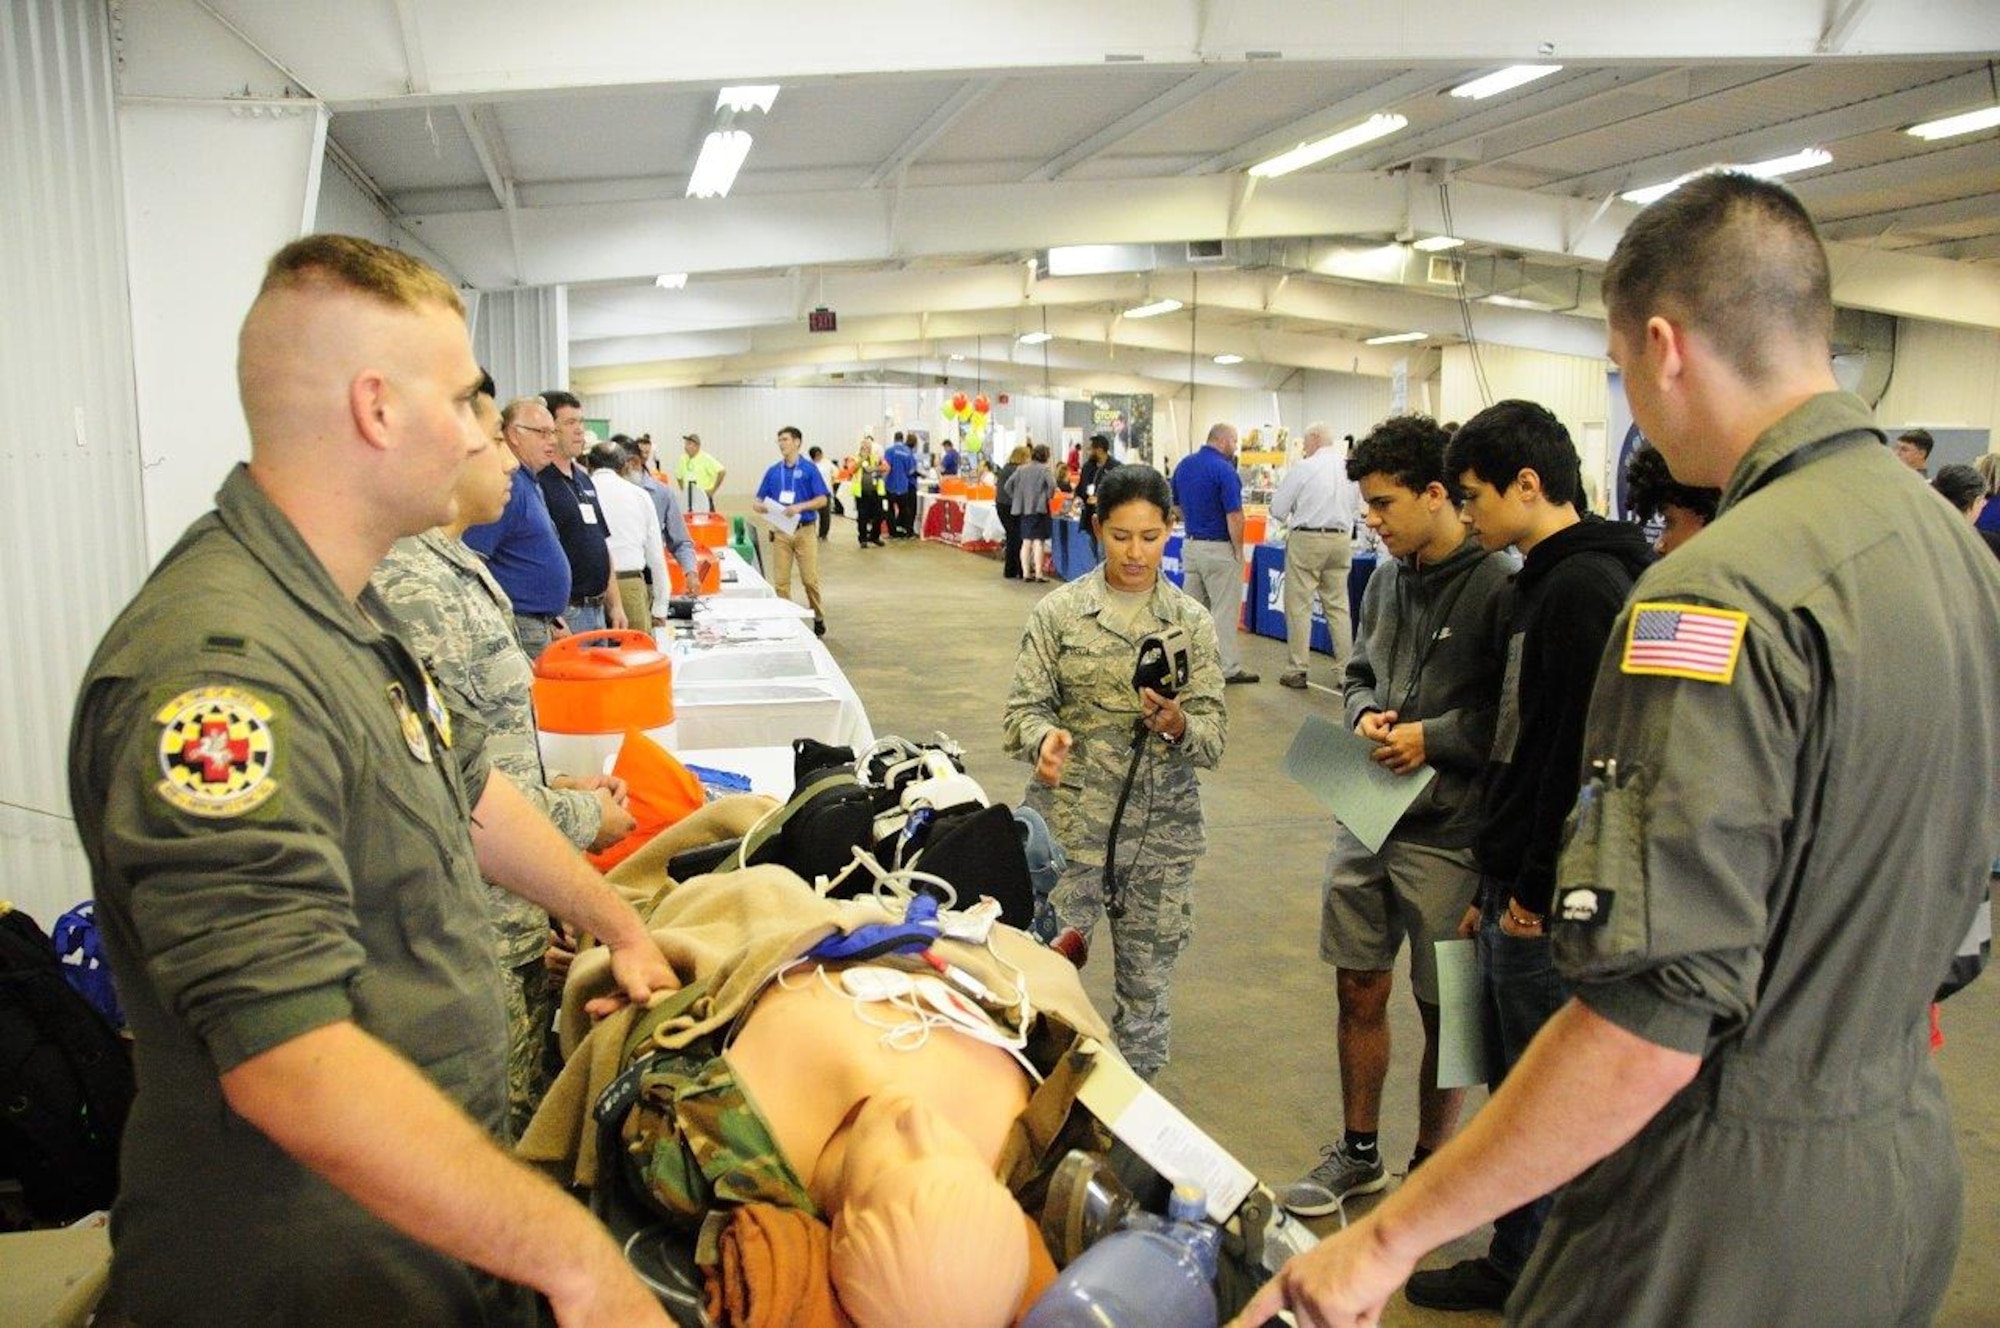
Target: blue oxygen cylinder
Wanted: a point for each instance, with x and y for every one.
(1152, 1274)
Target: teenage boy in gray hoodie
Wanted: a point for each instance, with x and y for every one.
(1423, 684)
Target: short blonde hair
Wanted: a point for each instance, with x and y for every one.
(351, 263)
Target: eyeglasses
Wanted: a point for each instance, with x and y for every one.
(529, 428)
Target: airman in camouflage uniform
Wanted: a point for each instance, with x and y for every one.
(1074, 673)
(454, 614)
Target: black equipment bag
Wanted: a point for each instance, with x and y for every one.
(65, 1081)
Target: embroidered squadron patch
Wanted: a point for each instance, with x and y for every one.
(215, 752)
(1684, 641)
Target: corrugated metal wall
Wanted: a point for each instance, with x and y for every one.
(72, 532)
(1944, 375)
(1575, 387)
(522, 337)
(1348, 403)
(740, 424)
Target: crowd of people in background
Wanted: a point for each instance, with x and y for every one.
(1666, 787)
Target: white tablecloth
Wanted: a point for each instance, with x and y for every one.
(982, 523)
(740, 580)
(760, 680)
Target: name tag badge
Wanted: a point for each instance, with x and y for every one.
(785, 497)
(589, 513)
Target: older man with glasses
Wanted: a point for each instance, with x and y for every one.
(522, 549)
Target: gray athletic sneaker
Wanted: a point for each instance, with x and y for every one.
(1340, 1175)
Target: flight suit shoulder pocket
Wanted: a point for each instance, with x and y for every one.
(1600, 910)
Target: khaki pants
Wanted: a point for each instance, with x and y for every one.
(1214, 576)
(637, 599)
(1317, 561)
(803, 545)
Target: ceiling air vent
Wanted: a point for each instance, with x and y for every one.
(1205, 251)
(1446, 271)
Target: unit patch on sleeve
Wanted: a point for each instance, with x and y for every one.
(1684, 641)
(215, 752)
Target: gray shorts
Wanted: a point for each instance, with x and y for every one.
(1373, 900)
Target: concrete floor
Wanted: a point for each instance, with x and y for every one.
(928, 635)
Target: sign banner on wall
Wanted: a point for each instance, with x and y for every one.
(1623, 439)
(1127, 420)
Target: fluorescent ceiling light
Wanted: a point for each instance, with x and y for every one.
(1153, 310)
(1036, 338)
(1432, 244)
(1791, 164)
(1307, 154)
(1516, 302)
(1953, 125)
(722, 154)
(956, 356)
(1229, 359)
(671, 281)
(748, 97)
(1506, 80)
(1393, 338)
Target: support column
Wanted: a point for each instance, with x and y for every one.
(522, 337)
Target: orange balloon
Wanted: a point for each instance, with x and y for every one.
(980, 405)
(958, 404)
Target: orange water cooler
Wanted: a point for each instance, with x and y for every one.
(591, 688)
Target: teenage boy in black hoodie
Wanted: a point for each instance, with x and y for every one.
(1423, 684)
(1522, 483)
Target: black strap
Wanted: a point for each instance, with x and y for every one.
(1804, 456)
(1114, 905)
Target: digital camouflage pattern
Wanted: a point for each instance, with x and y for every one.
(1074, 672)
(460, 623)
(1157, 926)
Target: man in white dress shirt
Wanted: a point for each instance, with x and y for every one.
(1318, 505)
(632, 530)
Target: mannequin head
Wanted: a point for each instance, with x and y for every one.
(924, 1235)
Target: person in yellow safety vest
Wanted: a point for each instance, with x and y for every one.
(866, 486)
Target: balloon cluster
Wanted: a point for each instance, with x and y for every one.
(975, 413)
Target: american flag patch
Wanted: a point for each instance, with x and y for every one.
(1684, 641)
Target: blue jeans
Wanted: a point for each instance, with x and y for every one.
(1521, 991)
(584, 618)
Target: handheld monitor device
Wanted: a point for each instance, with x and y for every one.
(1163, 661)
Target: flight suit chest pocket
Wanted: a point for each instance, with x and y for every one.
(1600, 910)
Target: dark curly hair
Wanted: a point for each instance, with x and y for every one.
(1409, 449)
(1650, 487)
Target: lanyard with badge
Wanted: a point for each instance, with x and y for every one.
(586, 497)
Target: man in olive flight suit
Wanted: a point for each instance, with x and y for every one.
(286, 847)
(1759, 895)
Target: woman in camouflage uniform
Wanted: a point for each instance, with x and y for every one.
(1072, 711)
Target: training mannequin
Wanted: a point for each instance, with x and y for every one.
(781, 1086)
(897, 1147)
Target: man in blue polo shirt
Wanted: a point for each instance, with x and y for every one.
(901, 486)
(792, 495)
(1210, 499)
(521, 548)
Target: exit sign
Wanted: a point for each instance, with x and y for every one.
(820, 320)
